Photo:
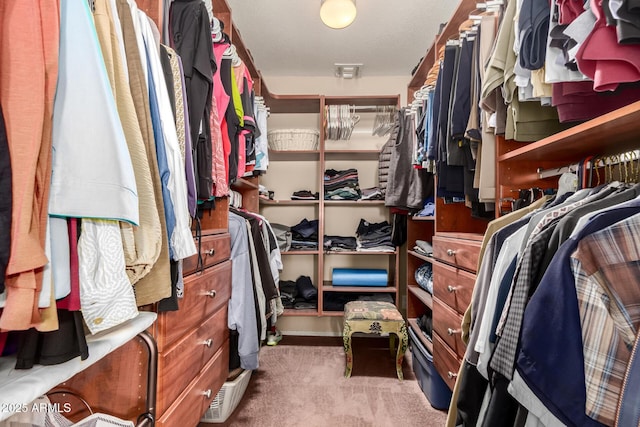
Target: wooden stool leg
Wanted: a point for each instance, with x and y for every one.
(346, 338)
(402, 348)
(392, 344)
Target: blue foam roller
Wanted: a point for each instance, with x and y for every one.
(359, 277)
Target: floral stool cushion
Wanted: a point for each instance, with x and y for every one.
(374, 317)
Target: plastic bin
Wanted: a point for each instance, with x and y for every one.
(432, 385)
(227, 399)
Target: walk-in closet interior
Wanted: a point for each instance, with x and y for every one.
(330, 212)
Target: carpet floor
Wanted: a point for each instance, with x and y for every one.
(301, 382)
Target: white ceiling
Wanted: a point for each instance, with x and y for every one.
(287, 38)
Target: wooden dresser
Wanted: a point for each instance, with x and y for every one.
(193, 342)
(454, 275)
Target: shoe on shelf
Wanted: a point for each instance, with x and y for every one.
(273, 338)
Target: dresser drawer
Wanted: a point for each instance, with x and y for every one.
(204, 293)
(445, 361)
(213, 333)
(453, 286)
(189, 407)
(214, 249)
(182, 362)
(446, 323)
(457, 251)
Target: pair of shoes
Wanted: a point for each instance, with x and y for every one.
(273, 338)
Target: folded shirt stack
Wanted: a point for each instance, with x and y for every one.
(374, 237)
(339, 243)
(304, 195)
(304, 235)
(373, 193)
(423, 248)
(341, 185)
(424, 277)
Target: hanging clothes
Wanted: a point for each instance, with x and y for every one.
(28, 75)
(157, 283)
(5, 202)
(191, 38)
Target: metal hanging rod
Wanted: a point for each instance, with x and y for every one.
(369, 108)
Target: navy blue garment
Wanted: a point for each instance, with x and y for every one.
(5, 201)
(534, 29)
(551, 360)
(629, 414)
(461, 102)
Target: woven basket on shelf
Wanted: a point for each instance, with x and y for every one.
(293, 139)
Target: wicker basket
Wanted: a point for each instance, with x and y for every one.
(293, 139)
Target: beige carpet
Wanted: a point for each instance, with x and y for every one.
(300, 382)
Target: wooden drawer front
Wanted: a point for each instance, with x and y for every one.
(215, 249)
(204, 293)
(453, 286)
(446, 323)
(459, 252)
(445, 361)
(177, 367)
(184, 360)
(188, 408)
(213, 333)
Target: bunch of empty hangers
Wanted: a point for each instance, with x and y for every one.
(340, 120)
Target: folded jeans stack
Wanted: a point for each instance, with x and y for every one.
(373, 193)
(307, 297)
(341, 185)
(374, 237)
(305, 235)
(339, 243)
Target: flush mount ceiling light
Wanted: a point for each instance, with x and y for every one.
(338, 13)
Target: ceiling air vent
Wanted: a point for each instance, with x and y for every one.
(347, 71)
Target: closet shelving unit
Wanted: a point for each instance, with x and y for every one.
(307, 111)
(518, 164)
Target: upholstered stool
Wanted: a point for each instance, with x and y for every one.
(374, 317)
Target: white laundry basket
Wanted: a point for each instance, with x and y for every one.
(227, 399)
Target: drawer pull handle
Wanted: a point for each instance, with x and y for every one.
(451, 252)
(207, 393)
(211, 293)
(452, 375)
(452, 331)
(210, 252)
(208, 342)
(451, 289)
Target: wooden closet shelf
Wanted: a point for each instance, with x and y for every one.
(360, 252)
(611, 133)
(294, 252)
(353, 202)
(288, 202)
(422, 257)
(328, 287)
(294, 155)
(423, 218)
(422, 295)
(244, 184)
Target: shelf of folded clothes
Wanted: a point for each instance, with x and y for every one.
(288, 202)
(421, 256)
(328, 287)
(299, 297)
(353, 202)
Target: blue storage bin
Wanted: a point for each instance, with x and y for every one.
(432, 385)
(359, 277)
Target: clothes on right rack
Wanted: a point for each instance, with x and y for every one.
(553, 317)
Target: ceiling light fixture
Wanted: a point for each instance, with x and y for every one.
(338, 13)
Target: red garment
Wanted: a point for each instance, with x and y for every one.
(576, 101)
(72, 301)
(605, 61)
(222, 102)
(569, 10)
